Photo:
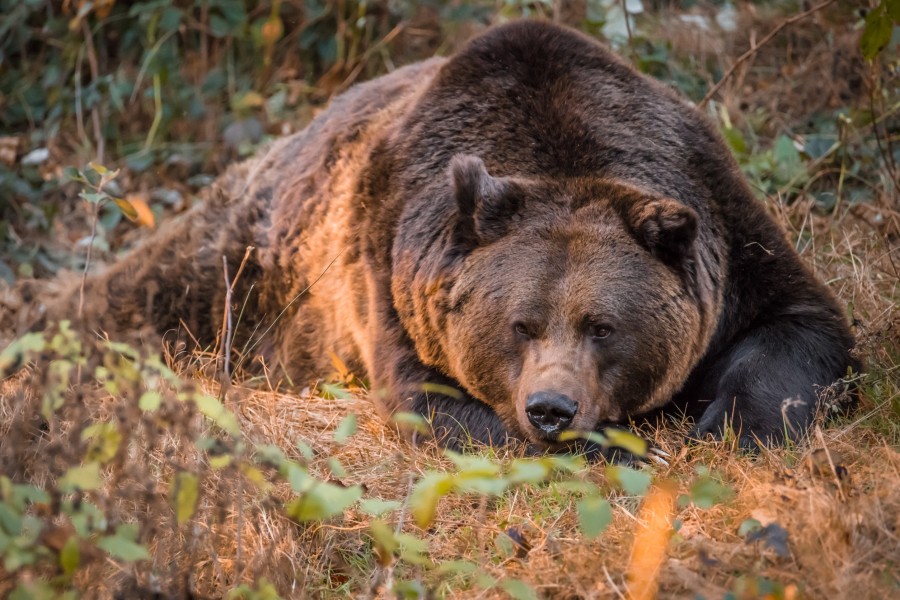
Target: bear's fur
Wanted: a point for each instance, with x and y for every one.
(530, 222)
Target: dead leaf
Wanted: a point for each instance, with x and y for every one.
(9, 146)
(143, 214)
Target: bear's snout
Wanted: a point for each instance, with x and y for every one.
(551, 413)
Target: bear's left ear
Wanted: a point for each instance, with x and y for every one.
(486, 204)
(666, 227)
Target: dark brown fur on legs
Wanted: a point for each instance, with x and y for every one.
(531, 223)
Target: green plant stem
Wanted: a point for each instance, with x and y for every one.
(157, 112)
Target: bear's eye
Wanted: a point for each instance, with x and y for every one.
(599, 331)
(522, 330)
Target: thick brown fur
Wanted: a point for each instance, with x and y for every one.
(529, 216)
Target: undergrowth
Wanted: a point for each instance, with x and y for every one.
(128, 474)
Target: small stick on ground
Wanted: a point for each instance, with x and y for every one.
(834, 473)
(755, 48)
(226, 316)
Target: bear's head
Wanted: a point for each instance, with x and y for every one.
(571, 302)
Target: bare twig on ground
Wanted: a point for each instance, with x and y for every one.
(226, 315)
(226, 318)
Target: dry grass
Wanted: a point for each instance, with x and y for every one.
(843, 533)
(836, 495)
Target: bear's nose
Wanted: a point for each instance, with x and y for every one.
(550, 412)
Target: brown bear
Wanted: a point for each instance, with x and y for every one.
(526, 238)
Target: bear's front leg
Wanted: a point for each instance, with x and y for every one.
(402, 383)
(766, 384)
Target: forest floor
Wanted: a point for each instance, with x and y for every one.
(126, 475)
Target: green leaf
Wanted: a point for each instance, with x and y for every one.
(306, 450)
(412, 422)
(184, 492)
(426, 495)
(788, 164)
(376, 507)
(473, 465)
(98, 167)
(518, 589)
(21, 350)
(332, 390)
(256, 477)
(893, 9)
(323, 501)
(412, 549)
(630, 480)
(15, 557)
(336, 468)
(70, 556)
(345, 429)
(749, 526)
(439, 388)
(247, 100)
(123, 548)
(524, 470)
(10, 521)
(85, 478)
(33, 590)
(128, 531)
(218, 414)
(220, 462)
(105, 439)
(706, 492)
(477, 474)
(735, 140)
(626, 440)
(877, 33)
(150, 400)
(413, 590)
(588, 436)
(298, 477)
(72, 174)
(22, 495)
(594, 515)
(385, 542)
(457, 567)
(93, 197)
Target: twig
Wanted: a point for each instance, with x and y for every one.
(376, 47)
(226, 348)
(79, 113)
(288, 306)
(226, 313)
(887, 155)
(834, 473)
(146, 63)
(95, 75)
(87, 260)
(628, 29)
(755, 48)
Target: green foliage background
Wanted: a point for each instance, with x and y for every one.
(170, 91)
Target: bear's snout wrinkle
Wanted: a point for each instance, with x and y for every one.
(550, 412)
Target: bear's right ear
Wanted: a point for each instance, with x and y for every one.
(665, 227)
(486, 204)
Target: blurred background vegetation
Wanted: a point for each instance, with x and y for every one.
(171, 91)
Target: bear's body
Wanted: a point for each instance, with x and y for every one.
(565, 242)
